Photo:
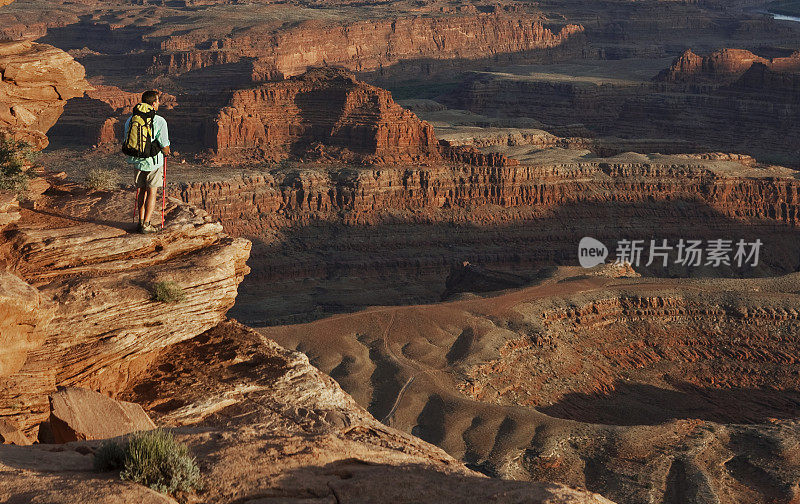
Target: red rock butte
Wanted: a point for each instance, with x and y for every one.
(325, 111)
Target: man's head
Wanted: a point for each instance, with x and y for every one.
(151, 98)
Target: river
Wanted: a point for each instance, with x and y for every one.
(781, 17)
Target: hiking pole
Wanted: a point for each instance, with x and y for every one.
(136, 204)
(164, 193)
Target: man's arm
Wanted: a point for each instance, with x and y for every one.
(163, 136)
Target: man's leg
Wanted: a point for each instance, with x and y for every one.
(140, 204)
(149, 203)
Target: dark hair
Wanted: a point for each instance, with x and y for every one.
(150, 97)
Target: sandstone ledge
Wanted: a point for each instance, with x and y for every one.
(77, 251)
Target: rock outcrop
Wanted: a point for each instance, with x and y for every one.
(75, 251)
(25, 313)
(77, 413)
(326, 113)
(37, 80)
(722, 66)
(725, 64)
(257, 402)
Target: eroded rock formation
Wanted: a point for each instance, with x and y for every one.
(370, 45)
(75, 253)
(377, 226)
(324, 113)
(724, 65)
(37, 80)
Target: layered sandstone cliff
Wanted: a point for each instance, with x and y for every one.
(98, 321)
(370, 195)
(371, 45)
(337, 239)
(324, 113)
(37, 81)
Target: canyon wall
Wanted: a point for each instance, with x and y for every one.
(755, 116)
(368, 195)
(338, 239)
(363, 46)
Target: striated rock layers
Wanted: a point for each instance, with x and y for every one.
(370, 45)
(372, 195)
(37, 81)
(98, 280)
(330, 240)
(325, 113)
(730, 101)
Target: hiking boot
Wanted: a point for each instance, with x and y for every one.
(147, 228)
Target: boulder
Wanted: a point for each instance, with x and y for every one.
(37, 80)
(77, 413)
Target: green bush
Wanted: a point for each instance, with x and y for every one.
(109, 457)
(99, 179)
(15, 156)
(168, 292)
(152, 458)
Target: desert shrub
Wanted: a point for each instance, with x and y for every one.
(168, 292)
(99, 179)
(109, 457)
(15, 156)
(151, 458)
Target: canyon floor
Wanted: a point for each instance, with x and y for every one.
(375, 209)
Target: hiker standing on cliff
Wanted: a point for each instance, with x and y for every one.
(146, 143)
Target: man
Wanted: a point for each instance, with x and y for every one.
(149, 170)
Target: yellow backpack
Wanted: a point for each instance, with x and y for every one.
(139, 141)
